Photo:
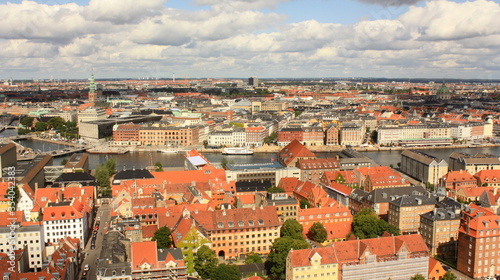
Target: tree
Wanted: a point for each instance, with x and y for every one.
(205, 261)
(449, 276)
(224, 162)
(64, 161)
(27, 122)
(276, 259)
(291, 228)
(418, 277)
(40, 126)
(163, 238)
(189, 244)
(317, 232)
(253, 258)
(225, 272)
(159, 167)
(57, 123)
(102, 177)
(304, 204)
(366, 224)
(111, 165)
(275, 190)
(374, 136)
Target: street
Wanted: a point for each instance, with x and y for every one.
(103, 216)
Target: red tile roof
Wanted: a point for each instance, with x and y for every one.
(353, 250)
(294, 150)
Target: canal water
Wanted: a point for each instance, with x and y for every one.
(143, 159)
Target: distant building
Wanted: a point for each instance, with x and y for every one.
(351, 134)
(332, 136)
(92, 90)
(473, 163)
(422, 166)
(126, 134)
(443, 93)
(253, 81)
(415, 135)
(169, 136)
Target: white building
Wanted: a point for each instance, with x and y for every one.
(68, 218)
(30, 236)
(91, 114)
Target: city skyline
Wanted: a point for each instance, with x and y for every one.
(242, 38)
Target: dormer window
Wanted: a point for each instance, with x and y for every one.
(261, 222)
(250, 223)
(230, 224)
(220, 225)
(241, 223)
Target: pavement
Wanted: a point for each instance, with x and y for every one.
(103, 214)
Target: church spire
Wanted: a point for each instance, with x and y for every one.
(92, 89)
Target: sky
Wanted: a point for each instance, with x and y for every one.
(64, 39)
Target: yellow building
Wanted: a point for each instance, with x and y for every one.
(308, 264)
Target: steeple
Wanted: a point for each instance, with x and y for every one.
(92, 90)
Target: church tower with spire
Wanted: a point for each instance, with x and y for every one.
(92, 90)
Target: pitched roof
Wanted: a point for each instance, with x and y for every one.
(143, 252)
(294, 150)
(353, 250)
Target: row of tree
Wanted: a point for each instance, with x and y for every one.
(57, 123)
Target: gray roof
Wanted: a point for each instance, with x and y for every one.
(413, 200)
(441, 214)
(175, 252)
(421, 156)
(389, 194)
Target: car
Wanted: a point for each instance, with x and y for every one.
(84, 273)
(92, 246)
(86, 267)
(83, 278)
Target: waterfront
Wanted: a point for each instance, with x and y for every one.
(171, 160)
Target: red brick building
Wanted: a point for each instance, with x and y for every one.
(312, 169)
(478, 242)
(126, 134)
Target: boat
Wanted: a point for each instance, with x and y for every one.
(236, 151)
(167, 151)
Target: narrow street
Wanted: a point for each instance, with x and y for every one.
(92, 255)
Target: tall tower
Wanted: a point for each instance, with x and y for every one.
(92, 90)
(253, 81)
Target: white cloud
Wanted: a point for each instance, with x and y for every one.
(387, 3)
(234, 38)
(240, 4)
(122, 11)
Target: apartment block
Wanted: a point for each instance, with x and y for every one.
(394, 257)
(404, 212)
(422, 166)
(478, 242)
(439, 228)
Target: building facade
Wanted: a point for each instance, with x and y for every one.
(422, 166)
